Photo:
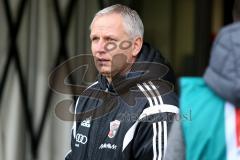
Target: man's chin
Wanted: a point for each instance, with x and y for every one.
(105, 73)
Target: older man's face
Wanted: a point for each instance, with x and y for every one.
(107, 33)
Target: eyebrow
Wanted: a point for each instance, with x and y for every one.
(108, 35)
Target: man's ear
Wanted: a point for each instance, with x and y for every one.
(137, 45)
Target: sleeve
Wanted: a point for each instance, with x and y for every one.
(69, 155)
(151, 134)
(150, 140)
(176, 146)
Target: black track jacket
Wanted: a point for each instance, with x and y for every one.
(128, 119)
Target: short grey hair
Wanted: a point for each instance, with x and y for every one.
(132, 22)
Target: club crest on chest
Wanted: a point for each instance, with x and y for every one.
(114, 125)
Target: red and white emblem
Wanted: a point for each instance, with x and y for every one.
(114, 125)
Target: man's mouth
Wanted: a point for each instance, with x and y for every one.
(103, 61)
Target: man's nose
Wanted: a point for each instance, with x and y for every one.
(100, 46)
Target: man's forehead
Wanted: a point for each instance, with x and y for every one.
(108, 19)
(107, 26)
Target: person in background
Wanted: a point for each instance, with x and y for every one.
(214, 103)
(124, 114)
